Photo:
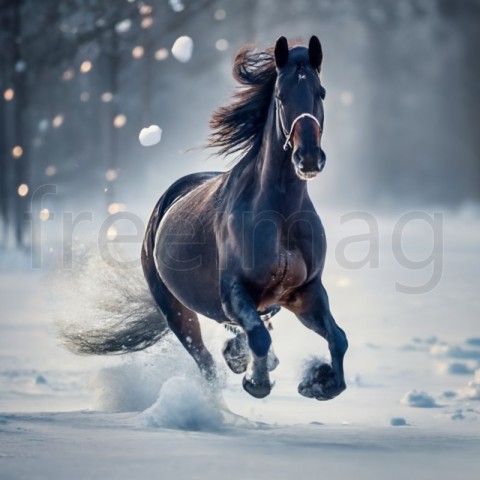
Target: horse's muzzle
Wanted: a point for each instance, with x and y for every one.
(308, 165)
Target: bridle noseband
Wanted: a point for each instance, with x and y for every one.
(288, 133)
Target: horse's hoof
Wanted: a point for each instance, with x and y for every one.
(320, 383)
(257, 389)
(235, 353)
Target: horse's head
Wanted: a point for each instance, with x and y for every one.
(299, 100)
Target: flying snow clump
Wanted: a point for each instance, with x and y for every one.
(150, 136)
(177, 5)
(182, 49)
(123, 26)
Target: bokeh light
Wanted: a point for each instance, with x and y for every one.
(221, 45)
(57, 120)
(119, 121)
(51, 170)
(161, 54)
(147, 22)
(111, 175)
(86, 66)
(112, 233)
(220, 14)
(23, 189)
(146, 9)
(138, 51)
(17, 151)
(8, 94)
(44, 214)
(346, 98)
(116, 207)
(68, 74)
(106, 97)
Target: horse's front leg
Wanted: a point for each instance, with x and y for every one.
(323, 381)
(240, 308)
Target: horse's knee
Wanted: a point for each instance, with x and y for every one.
(259, 340)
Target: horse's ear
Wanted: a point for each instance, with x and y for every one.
(315, 54)
(281, 52)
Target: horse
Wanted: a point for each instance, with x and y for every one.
(237, 246)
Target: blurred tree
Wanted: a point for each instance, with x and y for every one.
(15, 151)
(463, 97)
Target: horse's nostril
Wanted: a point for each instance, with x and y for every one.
(308, 161)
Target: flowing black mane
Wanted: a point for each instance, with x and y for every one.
(238, 127)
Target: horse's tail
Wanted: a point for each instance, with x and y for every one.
(103, 308)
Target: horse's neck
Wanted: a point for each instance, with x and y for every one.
(266, 180)
(276, 180)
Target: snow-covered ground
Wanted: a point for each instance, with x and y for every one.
(411, 410)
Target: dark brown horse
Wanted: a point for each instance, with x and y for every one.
(237, 246)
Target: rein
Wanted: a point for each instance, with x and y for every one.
(288, 134)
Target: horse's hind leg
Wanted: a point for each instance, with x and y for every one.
(235, 351)
(325, 381)
(185, 325)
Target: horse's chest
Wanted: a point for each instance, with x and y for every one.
(288, 274)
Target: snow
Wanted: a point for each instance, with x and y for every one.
(149, 414)
(182, 405)
(472, 391)
(474, 342)
(419, 399)
(182, 49)
(176, 5)
(123, 26)
(150, 136)
(456, 351)
(458, 368)
(398, 422)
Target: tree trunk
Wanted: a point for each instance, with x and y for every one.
(21, 162)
